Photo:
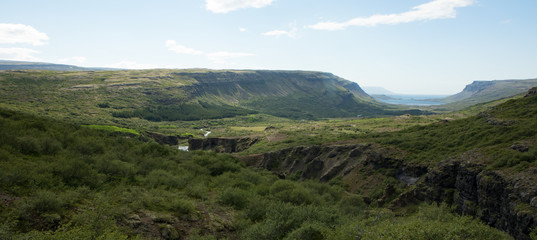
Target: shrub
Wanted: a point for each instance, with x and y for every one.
(182, 206)
(160, 177)
(310, 231)
(287, 191)
(237, 198)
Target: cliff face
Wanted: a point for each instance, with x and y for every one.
(485, 91)
(221, 145)
(327, 162)
(502, 200)
(292, 94)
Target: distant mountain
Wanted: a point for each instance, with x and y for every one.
(372, 90)
(190, 94)
(21, 65)
(486, 91)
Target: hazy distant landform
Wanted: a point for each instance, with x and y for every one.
(387, 96)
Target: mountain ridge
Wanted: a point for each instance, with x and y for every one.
(190, 94)
(485, 91)
(24, 65)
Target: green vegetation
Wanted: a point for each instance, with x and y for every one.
(113, 129)
(485, 91)
(60, 181)
(184, 112)
(101, 97)
(493, 132)
(86, 169)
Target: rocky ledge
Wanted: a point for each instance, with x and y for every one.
(221, 145)
(504, 200)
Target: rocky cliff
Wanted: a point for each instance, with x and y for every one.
(221, 145)
(327, 162)
(503, 200)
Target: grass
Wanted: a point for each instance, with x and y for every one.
(113, 129)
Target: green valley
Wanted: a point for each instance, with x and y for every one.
(289, 155)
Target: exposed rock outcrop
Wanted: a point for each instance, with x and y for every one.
(531, 92)
(221, 145)
(327, 162)
(501, 200)
(166, 139)
(507, 201)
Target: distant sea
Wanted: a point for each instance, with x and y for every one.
(416, 100)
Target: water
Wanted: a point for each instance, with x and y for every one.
(415, 100)
(206, 134)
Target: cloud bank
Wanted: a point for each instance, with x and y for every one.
(437, 9)
(20, 33)
(225, 6)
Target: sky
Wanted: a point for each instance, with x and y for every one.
(405, 46)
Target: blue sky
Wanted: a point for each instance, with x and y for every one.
(411, 46)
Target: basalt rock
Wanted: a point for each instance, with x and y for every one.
(327, 162)
(507, 201)
(532, 92)
(504, 201)
(166, 139)
(221, 145)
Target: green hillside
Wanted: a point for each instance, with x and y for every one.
(486, 91)
(185, 95)
(63, 181)
(492, 132)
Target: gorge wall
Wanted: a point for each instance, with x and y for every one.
(503, 200)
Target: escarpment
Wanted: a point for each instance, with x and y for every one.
(502, 200)
(221, 145)
(325, 162)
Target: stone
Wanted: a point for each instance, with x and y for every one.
(520, 147)
(533, 202)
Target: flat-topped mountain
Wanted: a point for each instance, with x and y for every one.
(191, 94)
(22, 65)
(485, 91)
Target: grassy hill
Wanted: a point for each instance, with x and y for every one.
(179, 95)
(486, 91)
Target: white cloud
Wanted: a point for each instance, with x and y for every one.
(217, 57)
(18, 54)
(173, 46)
(20, 33)
(224, 56)
(132, 65)
(276, 33)
(437, 9)
(242, 29)
(224, 6)
(73, 60)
